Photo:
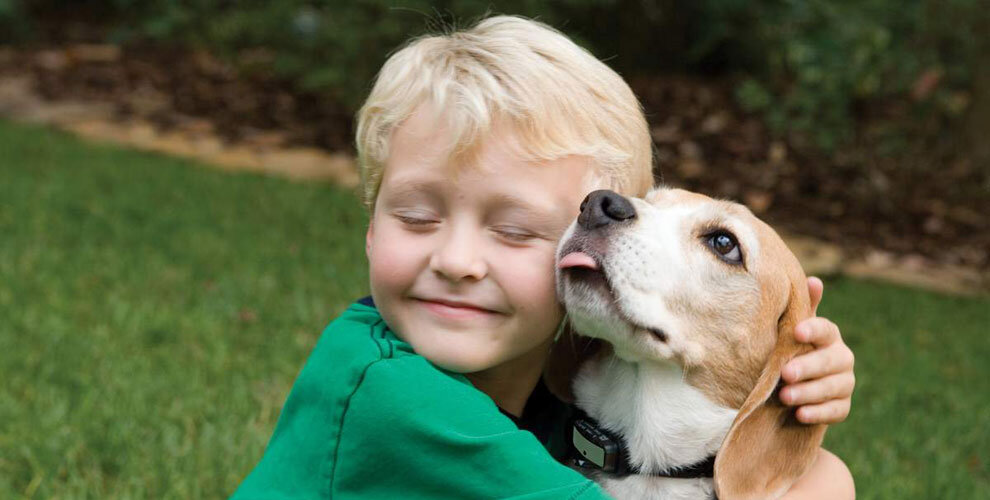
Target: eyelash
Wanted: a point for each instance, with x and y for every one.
(415, 220)
(514, 234)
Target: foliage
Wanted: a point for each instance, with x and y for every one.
(824, 59)
(333, 46)
(14, 24)
(810, 66)
(156, 312)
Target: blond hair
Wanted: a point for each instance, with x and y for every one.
(557, 98)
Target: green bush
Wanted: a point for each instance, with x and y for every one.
(807, 65)
(14, 23)
(823, 59)
(330, 46)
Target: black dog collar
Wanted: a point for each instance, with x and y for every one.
(593, 447)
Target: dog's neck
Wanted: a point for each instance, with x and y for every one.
(664, 421)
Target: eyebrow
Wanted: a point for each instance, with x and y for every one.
(414, 187)
(534, 213)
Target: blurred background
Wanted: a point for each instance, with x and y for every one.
(153, 313)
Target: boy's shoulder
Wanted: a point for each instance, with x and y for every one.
(382, 376)
(427, 432)
(358, 336)
(360, 340)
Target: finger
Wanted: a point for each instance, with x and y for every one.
(838, 386)
(815, 290)
(832, 412)
(836, 358)
(818, 331)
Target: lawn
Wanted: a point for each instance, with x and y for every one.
(153, 314)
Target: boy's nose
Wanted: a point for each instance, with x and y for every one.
(604, 207)
(459, 257)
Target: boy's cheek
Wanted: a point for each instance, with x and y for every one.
(389, 263)
(389, 268)
(387, 247)
(531, 282)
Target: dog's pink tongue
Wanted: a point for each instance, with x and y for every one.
(577, 259)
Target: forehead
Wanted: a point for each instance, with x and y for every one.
(421, 160)
(445, 136)
(429, 138)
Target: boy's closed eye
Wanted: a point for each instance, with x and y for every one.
(416, 217)
(516, 234)
(516, 224)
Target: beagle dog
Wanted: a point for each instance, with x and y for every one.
(696, 301)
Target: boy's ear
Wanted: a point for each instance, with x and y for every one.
(367, 239)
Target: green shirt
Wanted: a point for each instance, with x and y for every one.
(368, 418)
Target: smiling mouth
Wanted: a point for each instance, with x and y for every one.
(455, 310)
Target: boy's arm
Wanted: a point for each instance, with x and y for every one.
(828, 479)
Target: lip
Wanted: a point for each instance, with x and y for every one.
(454, 309)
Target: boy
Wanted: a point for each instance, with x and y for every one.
(477, 148)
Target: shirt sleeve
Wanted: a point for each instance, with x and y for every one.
(415, 437)
(297, 459)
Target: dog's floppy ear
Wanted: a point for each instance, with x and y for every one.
(567, 354)
(767, 449)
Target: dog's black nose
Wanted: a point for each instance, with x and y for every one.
(604, 207)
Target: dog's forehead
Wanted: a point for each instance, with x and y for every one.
(663, 198)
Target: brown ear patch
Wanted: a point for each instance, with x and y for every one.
(767, 449)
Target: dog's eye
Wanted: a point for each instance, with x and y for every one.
(725, 246)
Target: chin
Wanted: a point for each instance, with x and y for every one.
(457, 357)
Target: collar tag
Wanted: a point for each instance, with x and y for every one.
(596, 446)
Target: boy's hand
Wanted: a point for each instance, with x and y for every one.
(820, 381)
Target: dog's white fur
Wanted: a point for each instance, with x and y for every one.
(647, 405)
(670, 396)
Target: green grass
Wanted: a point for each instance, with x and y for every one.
(920, 420)
(153, 315)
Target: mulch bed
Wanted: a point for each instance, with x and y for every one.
(926, 201)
